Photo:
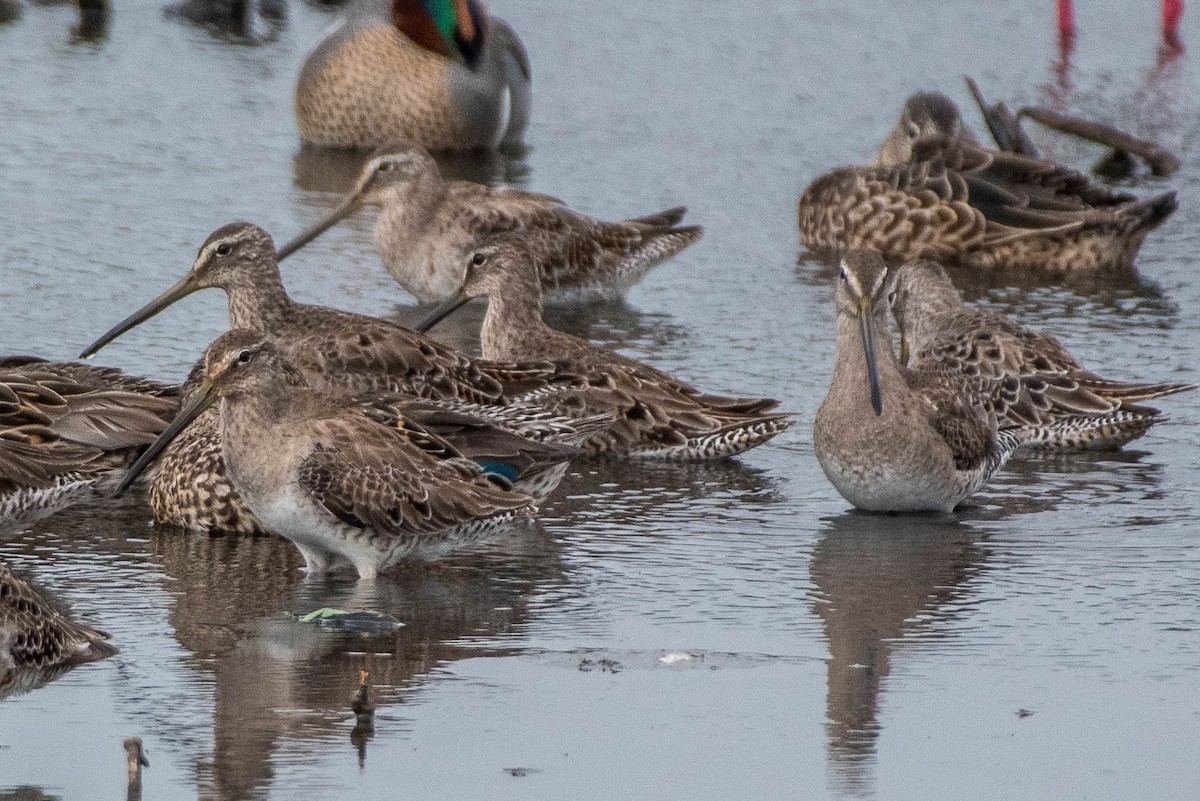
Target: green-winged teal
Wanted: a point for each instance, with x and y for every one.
(892, 439)
(428, 227)
(341, 485)
(38, 642)
(1073, 407)
(935, 192)
(67, 429)
(441, 73)
(656, 415)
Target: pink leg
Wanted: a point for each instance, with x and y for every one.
(1172, 12)
(1066, 19)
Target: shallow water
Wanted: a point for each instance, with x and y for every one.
(813, 652)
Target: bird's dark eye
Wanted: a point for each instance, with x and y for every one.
(913, 129)
(224, 249)
(892, 298)
(387, 166)
(245, 356)
(478, 259)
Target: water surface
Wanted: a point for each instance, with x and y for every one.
(674, 632)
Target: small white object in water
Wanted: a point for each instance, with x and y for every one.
(674, 657)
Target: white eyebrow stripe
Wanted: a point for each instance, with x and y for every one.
(851, 278)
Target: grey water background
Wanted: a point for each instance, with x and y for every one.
(724, 631)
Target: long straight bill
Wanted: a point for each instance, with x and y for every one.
(180, 290)
(334, 217)
(442, 311)
(867, 327)
(203, 398)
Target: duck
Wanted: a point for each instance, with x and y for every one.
(935, 192)
(38, 641)
(444, 74)
(69, 430)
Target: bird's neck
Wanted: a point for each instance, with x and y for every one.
(513, 321)
(260, 305)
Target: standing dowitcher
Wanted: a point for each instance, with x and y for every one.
(428, 227)
(656, 415)
(935, 192)
(339, 352)
(892, 439)
(342, 486)
(1073, 407)
(37, 641)
(441, 73)
(66, 429)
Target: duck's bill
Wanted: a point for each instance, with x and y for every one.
(352, 204)
(443, 310)
(204, 397)
(185, 287)
(867, 330)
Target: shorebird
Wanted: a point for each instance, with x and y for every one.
(442, 73)
(935, 192)
(428, 227)
(892, 439)
(68, 429)
(342, 353)
(191, 487)
(1073, 407)
(343, 486)
(656, 415)
(38, 642)
(336, 350)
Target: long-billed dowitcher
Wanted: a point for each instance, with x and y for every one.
(934, 192)
(428, 227)
(38, 642)
(1073, 407)
(191, 487)
(342, 353)
(892, 439)
(656, 415)
(336, 350)
(66, 429)
(442, 73)
(340, 485)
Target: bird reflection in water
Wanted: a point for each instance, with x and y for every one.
(879, 580)
(278, 682)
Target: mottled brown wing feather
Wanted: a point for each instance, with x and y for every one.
(902, 211)
(44, 636)
(958, 409)
(397, 481)
(357, 352)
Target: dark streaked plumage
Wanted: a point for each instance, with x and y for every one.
(38, 642)
(656, 415)
(342, 353)
(428, 227)
(936, 193)
(67, 428)
(1072, 406)
(891, 439)
(343, 486)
